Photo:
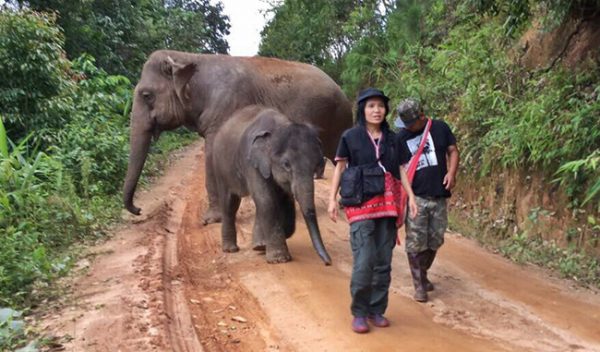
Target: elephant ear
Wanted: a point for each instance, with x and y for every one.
(260, 151)
(181, 74)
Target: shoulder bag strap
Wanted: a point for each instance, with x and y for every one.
(412, 166)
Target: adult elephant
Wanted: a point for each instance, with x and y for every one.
(272, 160)
(202, 91)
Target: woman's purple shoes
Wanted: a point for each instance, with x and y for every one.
(379, 321)
(359, 325)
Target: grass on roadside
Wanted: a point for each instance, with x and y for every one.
(570, 262)
(101, 212)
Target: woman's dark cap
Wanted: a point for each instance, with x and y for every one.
(370, 93)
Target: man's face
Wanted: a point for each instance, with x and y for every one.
(418, 125)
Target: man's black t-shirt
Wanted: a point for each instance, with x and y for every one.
(431, 168)
(357, 148)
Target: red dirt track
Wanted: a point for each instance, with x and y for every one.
(163, 284)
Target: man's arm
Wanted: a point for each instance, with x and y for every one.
(453, 160)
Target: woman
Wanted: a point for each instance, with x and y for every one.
(373, 222)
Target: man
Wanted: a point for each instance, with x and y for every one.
(434, 178)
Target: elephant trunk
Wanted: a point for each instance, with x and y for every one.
(306, 200)
(140, 143)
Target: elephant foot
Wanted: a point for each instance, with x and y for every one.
(211, 216)
(259, 247)
(278, 256)
(230, 248)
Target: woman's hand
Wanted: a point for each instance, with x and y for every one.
(412, 206)
(332, 209)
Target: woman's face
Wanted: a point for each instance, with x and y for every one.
(375, 111)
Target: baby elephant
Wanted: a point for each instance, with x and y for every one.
(261, 153)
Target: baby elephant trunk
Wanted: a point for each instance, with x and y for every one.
(305, 197)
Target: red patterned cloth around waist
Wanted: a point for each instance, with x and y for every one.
(380, 206)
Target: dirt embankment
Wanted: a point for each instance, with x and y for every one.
(162, 283)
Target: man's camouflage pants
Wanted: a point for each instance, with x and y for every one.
(426, 231)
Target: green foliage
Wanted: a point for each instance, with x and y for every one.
(159, 152)
(515, 13)
(365, 62)
(570, 263)
(39, 214)
(504, 117)
(3, 140)
(120, 34)
(195, 25)
(11, 329)
(60, 184)
(528, 247)
(35, 82)
(94, 145)
(586, 170)
(313, 32)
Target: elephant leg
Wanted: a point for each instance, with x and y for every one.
(231, 204)
(277, 249)
(258, 237)
(212, 214)
(320, 172)
(267, 221)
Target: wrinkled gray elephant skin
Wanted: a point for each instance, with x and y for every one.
(201, 92)
(261, 153)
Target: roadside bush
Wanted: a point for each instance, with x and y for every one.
(35, 89)
(93, 146)
(504, 116)
(39, 215)
(60, 183)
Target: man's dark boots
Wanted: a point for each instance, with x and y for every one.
(428, 258)
(418, 272)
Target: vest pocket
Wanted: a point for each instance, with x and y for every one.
(351, 186)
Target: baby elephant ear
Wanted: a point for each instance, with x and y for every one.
(259, 153)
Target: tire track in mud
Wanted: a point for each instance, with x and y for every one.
(181, 330)
(224, 314)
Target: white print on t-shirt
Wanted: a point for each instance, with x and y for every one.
(428, 157)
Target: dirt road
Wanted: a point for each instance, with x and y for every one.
(162, 283)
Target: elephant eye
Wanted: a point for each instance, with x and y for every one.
(148, 97)
(286, 165)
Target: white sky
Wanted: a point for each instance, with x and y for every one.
(246, 23)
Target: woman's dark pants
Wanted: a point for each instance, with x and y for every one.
(372, 243)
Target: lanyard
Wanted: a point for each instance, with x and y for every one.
(376, 145)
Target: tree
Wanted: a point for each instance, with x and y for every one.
(309, 31)
(120, 34)
(35, 85)
(196, 25)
